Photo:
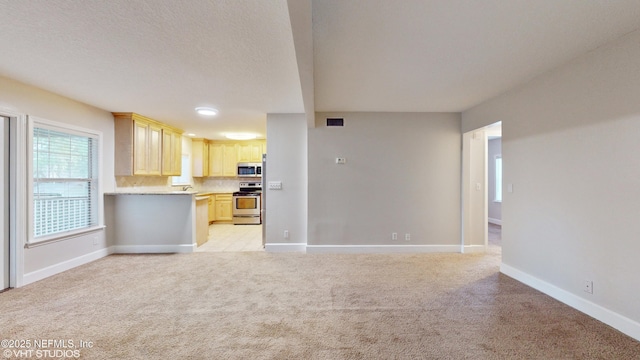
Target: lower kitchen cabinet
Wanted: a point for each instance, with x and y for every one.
(224, 207)
(212, 208)
(202, 223)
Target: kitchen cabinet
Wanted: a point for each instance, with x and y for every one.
(139, 145)
(171, 153)
(200, 157)
(251, 151)
(202, 223)
(223, 159)
(224, 207)
(212, 208)
(230, 163)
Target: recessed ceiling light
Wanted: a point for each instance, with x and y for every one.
(240, 136)
(191, 134)
(206, 111)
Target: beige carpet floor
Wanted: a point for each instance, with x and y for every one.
(257, 305)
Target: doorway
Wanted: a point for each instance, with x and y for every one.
(5, 264)
(480, 188)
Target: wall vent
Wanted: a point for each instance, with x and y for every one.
(335, 121)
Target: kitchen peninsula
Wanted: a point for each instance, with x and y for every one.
(153, 222)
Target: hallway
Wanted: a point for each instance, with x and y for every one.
(495, 238)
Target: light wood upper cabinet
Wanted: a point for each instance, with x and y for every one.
(200, 156)
(223, 159)
(171, 153)
(154, 161)
(251, 151)
(140, 148)
(230, 163)
(139, 145)
(220, 158)
(216, 159)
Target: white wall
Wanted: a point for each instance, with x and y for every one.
(286, 162)
(45, 260)
(402, 175)
(151, 223)
(570, 142)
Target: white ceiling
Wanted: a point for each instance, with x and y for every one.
(449, 55)
(162, 58)
(159, 58)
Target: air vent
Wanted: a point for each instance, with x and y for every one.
(335, 121)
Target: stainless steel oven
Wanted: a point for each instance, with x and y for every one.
(246, 203)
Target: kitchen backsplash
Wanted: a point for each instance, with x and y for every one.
(143, 183)
(162, 183)
(216, 185)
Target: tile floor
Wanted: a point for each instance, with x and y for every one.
(229, 237)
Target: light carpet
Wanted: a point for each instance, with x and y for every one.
(257, 305)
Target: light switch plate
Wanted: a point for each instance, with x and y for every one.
(275, 185)
(341, 160)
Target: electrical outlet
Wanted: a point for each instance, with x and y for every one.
(394, 236)
(95, 240)
(588, 286)
(286, 234)
(341, 160)
(407, 237)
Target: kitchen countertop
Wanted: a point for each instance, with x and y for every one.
(167, 192)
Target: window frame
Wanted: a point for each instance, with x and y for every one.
(97, 201)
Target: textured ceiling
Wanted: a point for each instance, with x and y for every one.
(162, 58)
(449, 55)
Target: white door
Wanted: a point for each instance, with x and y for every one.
(4, 204)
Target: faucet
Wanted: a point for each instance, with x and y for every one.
(187, 187)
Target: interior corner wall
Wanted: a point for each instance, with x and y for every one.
(287, 163)
(402, 175)
(45, 260)
(570, 150)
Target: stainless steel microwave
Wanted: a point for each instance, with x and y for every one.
(249, 169)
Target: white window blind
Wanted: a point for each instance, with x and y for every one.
(65, 174)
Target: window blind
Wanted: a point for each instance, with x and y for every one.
(64, 181)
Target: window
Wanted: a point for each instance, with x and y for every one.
(65, 181)
(498, 174)
(185, 174)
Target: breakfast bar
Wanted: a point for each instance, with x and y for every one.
(153, 222)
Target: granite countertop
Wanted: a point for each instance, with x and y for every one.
(204, 193)
(159, 192)
(167, 192)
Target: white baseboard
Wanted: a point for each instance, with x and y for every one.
(153, 249)
(63, 266)
(473, 249)
(381, 249)
(613, 319)
(495, 221)
(284, 247)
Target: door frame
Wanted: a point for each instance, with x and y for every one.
(5, 246)
(17, 194)
(474, 192)
(475, 182)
